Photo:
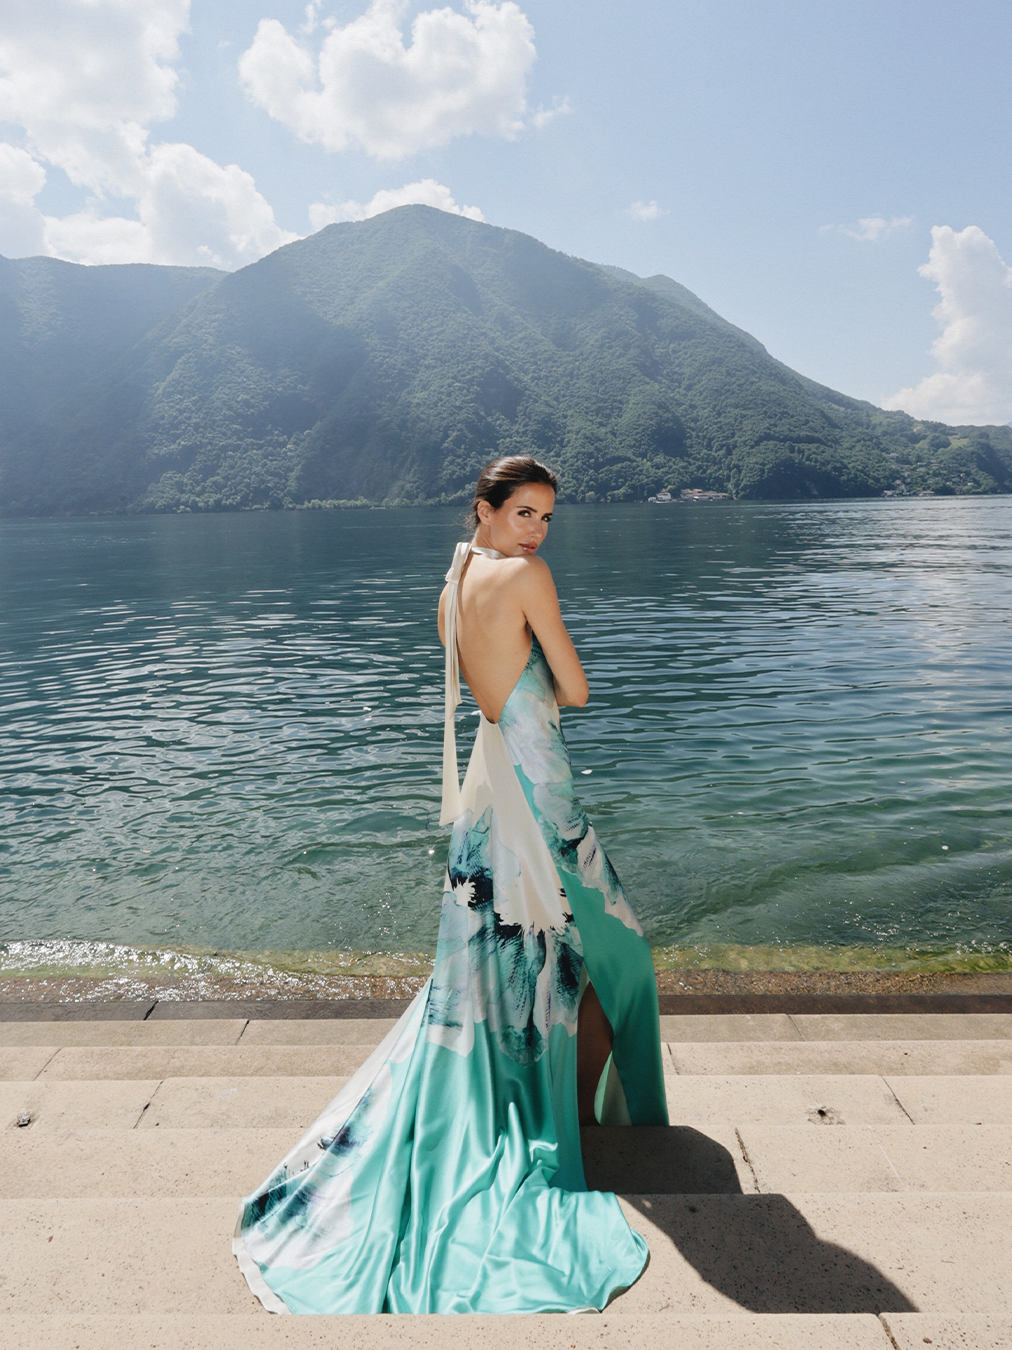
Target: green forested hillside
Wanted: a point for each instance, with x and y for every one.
(61, 326)
(388, 360)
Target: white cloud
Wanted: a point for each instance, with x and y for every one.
(21, 180)
(646, 211)
(87, 237)
(85, 81)
(190, 210)
(426, 192)
(870, 229)
(560, 108)
(460, 74)
(974, 349)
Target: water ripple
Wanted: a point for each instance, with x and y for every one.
(225, 731)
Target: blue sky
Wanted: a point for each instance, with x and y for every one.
(755, 137)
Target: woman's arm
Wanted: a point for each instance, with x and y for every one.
(541, 607)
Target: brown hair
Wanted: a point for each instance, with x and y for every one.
(500, 479)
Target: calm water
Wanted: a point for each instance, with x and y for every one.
(224, 731)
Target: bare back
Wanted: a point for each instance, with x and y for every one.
(500, 603)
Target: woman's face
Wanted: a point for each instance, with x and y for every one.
(521, 523)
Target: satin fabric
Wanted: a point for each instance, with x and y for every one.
(447, 1174)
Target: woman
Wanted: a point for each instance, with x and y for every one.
(447, 1176)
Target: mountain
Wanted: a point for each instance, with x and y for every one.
(387, 360)
(61, 326)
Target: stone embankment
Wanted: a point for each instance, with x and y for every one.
(832, 1182)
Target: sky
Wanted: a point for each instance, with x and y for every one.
(831, 177)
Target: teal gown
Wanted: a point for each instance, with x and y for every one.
(446, 1176)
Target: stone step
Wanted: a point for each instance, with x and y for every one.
(685, 1029)
(125, 1164)
(199, 1031)
(981, 1331)
(712, 1254)
(205, 1163)
(899, 1027)
(294, 1103)
(902, 1252)
(217, 1031)
(878, 1158)
(954, 1101)
(208, 1163)
(186, 1103)
(701, 1102)
(690, 1027)
(22, 1064)
(325, 1031)
(73, 1106)
(124, 1062)
(749, 1058)
(944, 1057)
(792, 1099)
(607, 1332)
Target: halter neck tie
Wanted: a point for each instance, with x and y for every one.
(450, 806)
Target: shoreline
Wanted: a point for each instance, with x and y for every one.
(680, 992)
(715, 979)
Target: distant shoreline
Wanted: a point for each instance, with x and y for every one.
(703, 497)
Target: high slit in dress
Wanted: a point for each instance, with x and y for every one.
(446, 1176)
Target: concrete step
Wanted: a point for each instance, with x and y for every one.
(74, 1106)
(715, 1255)
(204, 1163)
(219, 1031)
(791, 1099)
(824, 1100)
(686, 1029)
(24, 1063)
(126, 1164)
(954, 1101)
(946, 1057)
(690, 1027)
(944, 1254)
(899, 1027)
(208, 1163)
(912, 1331)
(239, 1103)
(120, 1256)
(701, 1102)
(325, 1031)
(879, 1158)
(607, 1332)
(186, 1103)
(729, 1027)
(199, 1031)
(294, 1103)
(749, 1058)
(202, 1061)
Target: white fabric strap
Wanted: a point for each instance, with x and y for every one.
(450, 807)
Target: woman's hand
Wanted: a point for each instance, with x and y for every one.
(541, 606)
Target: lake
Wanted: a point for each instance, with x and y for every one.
(223, 733)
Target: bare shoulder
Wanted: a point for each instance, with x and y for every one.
(532, 575)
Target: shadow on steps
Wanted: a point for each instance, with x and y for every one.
(657, 1160)
(758, 1250)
